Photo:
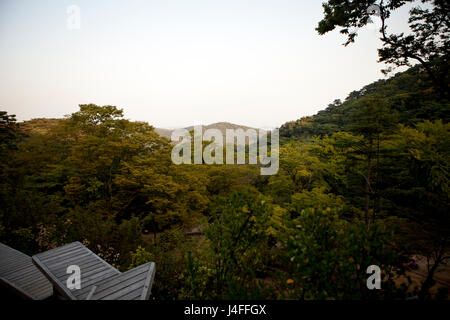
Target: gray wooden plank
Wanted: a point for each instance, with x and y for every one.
(41, 287)
(11, 286)
(26, 277)
(61, 267)
(12, 258)
(117, 294)
(85, 264)
(83, 268)
(67, 259)
(41, 291)
(56, 254)
(133, 295)
(91, 292)
(97, 278)
(84, 273)
(61, 288)
(21, 268)
(87, 250)
(86, 280)
(126, 285)
(57, 250)
(56, 262)
(120, 285)
(86, 287)
(8, 260)
(149, 282)
(84, 291)
(64, 256)
(123, 277)
(28, 283)
(106, 263)
(19, 274)
(32, 284)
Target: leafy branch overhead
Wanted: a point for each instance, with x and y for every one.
(428, 40)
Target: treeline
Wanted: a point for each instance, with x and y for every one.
(363, 183)
(409, 97)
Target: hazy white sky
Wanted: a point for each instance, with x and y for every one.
(179, 62)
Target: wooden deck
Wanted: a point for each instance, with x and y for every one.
(20, 275)
(99, 280)
(134, 284)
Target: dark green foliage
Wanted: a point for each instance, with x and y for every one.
(347, 176)
(407, 96)
(328, 257)
(237, 240)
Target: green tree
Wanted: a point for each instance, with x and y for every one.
(237, 239)
(428, 41)
(421, 193)
(327, 257)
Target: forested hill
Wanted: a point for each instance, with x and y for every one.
(222, 126)
(407, 98)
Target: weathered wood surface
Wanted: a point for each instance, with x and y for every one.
(134, 284)
(19, 274)
(99, 280)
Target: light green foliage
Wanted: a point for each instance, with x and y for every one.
(316, 198)
(300, 170)
(140, 256)
(226, 232)
(237, 238)
(428, 145)
(328, 256)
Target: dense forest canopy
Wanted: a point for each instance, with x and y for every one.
(364, 182)
(408, 98)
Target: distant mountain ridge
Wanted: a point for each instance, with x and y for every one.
(222, 126)
(43, 125)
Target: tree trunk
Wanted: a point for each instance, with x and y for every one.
(428, 283)
(376, 205)
(369, 171)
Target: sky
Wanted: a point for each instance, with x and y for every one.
(176, 63)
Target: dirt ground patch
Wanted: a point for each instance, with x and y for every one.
(441, 276)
